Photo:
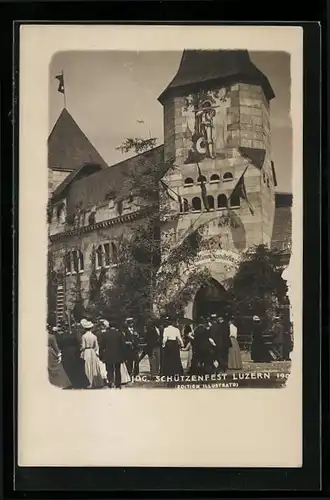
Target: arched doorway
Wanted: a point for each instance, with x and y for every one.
(210, 298)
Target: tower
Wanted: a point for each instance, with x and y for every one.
(217, 130)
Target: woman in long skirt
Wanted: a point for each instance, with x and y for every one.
(90, 354)
(234, 354)
(72, 363)
(172, 341)
(56, 373)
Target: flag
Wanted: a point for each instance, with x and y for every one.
(203, 189)
(240, 190)
(60, 79)
(168, 189)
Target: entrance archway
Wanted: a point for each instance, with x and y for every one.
(211, 298)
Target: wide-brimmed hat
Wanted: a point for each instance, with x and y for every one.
(129, 319)
(256, 318)
(105, 322)
(86, 324)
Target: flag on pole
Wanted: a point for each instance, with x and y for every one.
(240, 190)
(203, 189)
(60, 79)
(167, 190)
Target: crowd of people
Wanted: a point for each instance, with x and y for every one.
(102, 354)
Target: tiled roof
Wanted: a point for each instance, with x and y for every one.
(78, 173)
(68, 146)
(199, 66)
(95, 188)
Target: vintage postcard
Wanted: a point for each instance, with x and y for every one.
(168, 240)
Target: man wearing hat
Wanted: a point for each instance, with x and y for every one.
(132, 341)
(112, 352)
(203, 346)
(219, 332)
(259, 350)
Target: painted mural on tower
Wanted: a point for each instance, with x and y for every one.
(167, 267)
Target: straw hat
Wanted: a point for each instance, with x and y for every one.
(86, 324)
(256, 318)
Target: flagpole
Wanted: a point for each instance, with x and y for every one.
(64, 96)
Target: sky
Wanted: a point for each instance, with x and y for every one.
(108, 92)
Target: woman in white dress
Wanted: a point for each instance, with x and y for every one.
(90, 354)
(172, 341)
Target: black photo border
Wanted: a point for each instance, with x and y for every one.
(34, 482)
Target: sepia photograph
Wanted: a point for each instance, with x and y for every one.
(169, 219)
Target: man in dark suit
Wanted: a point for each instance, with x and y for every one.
(112, 353)
(132, 340)
(219, 332)
(203, 345)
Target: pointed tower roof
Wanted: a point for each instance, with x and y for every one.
(68, 146)
(200, 66)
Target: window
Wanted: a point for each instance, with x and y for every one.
(74, 262)
(92, 218)
(114, 253)
(106, 248)
(188, 181)
(214, 178)
(99, 256)
(268, 185)
(227, 176)
(210, 200)
(222, 201)
(103, 255)
(184, 207)
(196, 204)
(235, 200)
(201, 178)
(120, 207)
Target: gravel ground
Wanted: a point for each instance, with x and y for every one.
(256, 375)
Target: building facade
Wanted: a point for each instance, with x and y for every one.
(217, 142)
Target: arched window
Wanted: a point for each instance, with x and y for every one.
(227, 176)
(106, 254)
(201, 178)
(74, 262)
(188, 181)
(214, 178)
(222, 201)
(99, 256)
(235, 200)
(114, 253)
(196, 204)
(210, 200)
(103, 255)
(185, 206)
(80, 260)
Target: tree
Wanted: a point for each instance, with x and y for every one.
(258, 286)
(144, 276)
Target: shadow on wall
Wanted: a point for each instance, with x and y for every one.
(238, 232)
